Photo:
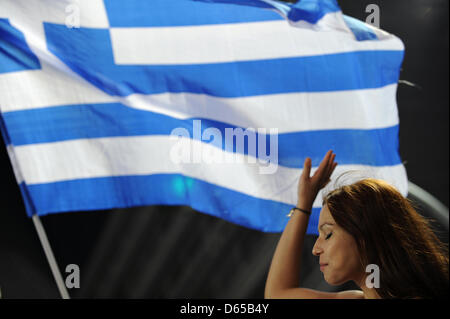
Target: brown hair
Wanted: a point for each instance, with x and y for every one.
(390, 233)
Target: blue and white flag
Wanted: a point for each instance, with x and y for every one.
(109, 104)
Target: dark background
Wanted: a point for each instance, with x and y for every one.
(175, 252)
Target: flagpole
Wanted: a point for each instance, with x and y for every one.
(50, 257)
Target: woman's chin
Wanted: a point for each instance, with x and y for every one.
(333, 281)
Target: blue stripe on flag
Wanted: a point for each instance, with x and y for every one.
(15, 55)
(307, 10)
(89, 53)
(377, 147)
(3, 130)
(29, 202)
(163, 13)
(165, 189)
(312, 10)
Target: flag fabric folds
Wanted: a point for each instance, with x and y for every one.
(211, 104)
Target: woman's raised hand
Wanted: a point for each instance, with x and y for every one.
(309, 187)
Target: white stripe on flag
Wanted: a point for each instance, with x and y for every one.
(144, 155)
(359, 109)
(232, 42)
(47, 87)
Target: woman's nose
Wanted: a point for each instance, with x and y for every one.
(317, 250)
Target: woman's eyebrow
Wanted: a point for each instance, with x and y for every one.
(325, 224)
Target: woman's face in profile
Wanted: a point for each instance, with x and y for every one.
(337, 250)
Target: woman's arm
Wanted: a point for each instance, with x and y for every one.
(284, 274)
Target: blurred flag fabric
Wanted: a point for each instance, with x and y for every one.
(90, 92)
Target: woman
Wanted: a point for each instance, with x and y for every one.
(368, 223)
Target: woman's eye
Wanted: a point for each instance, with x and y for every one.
(328, 236)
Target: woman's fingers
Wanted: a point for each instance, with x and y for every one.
(325, 169)
(334, 166)
(306, 168)
(330, 167)
(323, 165)
(325, 174)
(330, 172)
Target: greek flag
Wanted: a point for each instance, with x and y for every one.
(210, 104)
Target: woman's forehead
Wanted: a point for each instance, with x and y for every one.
(325, 216)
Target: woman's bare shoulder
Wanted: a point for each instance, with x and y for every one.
(350, 294)
(305, 293)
